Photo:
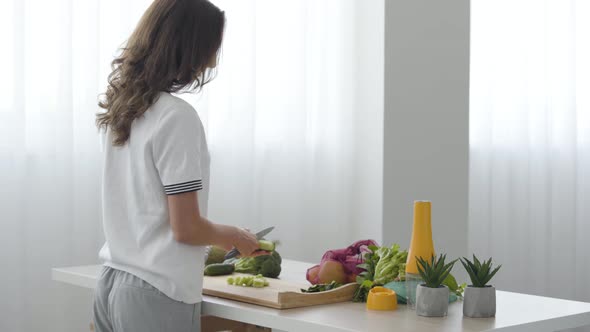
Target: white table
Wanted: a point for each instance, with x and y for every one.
(515, 312)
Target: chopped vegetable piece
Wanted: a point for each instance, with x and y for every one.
(248, 281)
(258, 283)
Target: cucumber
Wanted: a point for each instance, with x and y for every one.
(266, 245)
(219, 269)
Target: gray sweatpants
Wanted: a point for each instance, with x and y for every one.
(125, 303)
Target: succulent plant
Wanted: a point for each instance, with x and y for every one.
(479, 273)
(434, 271)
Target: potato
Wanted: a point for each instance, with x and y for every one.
(312, 274)
(332, 271)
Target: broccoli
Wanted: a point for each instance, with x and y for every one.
(277, 257)
(266, 265)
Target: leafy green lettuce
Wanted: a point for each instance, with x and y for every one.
(391, 265)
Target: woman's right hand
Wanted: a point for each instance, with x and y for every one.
(244, 241)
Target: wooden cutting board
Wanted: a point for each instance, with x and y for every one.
(280, 294)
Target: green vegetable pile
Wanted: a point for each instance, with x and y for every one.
(321, 287)
(266, 265)
(248, 281)
(382, 265)
(365, 278)
(391, 265)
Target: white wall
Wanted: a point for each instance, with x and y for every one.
(426, 119)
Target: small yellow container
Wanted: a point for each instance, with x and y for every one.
(381, 298)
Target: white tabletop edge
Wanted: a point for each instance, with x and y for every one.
(72, 275)
(550, 325)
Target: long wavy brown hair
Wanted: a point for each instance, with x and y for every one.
(173, 48)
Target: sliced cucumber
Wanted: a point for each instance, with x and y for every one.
(266, 245)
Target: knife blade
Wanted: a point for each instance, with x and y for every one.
(260, 235)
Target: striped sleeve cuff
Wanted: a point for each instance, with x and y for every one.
(184, 187)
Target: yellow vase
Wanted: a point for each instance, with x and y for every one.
(421, 244)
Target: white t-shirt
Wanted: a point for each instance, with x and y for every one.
(166, 154)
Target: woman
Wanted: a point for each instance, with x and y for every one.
(156, 174)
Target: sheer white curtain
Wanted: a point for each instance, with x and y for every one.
(293, 119)
(530, 143)
(290, 133)
(54, 61)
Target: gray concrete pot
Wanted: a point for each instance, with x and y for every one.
(479, 302)
(432, 302)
